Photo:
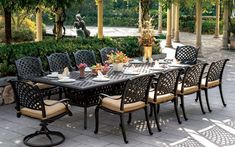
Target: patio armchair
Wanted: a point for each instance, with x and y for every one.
(164, 91)
(31, 67)
(104, 52)
(134, 97)
(58, 61)
(191, 84)
(30, 103)
(85, 56)
(186, 54)
(214, 79)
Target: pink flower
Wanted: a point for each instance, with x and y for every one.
(81, 65)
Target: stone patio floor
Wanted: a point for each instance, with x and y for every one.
(212, 129)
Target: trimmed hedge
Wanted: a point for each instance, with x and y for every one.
(9, 53)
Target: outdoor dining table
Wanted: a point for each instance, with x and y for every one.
(84, 92)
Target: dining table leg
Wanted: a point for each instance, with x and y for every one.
(85, 118)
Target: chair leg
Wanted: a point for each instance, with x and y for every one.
(176, 109)
(147, 120)
(158, 108)
(49, 95)
(156, 119)
(123, 128)
(207, 100)
(96, 120)
(129, 118)
(85, 118)
(182, 107)
(196, 99)
(221, 95)
(200, 100)
(60, 93)
(151, 109)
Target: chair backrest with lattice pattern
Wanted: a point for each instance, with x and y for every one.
(136, 90)
(27, 96)
(104, 52)
(85, 56)
(216, 69)
(28, 67)
(186, 54)
(193, 75)
(58, 61)
(167, 82)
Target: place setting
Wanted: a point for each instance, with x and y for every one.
(132, 70)
(100, 77)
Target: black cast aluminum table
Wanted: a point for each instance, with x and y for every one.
(84, 92)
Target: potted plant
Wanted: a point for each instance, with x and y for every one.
(118, 59)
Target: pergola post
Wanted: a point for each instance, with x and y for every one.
(173, 20)
(225, 25)
(100, 18)
(140, 16)
(39, 24)
(159, 18)
(177, 17)
(199, 25)
(168, 34)
(217, 27)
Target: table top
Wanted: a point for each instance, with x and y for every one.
(89, 83)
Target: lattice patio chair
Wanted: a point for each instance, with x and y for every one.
(104, 52)
(31, 67)
(85, 56)
(186, 54)
(134, 97)
(164, 91)
(214, 79)
(191, 84)
(29, 102)
(58, 61)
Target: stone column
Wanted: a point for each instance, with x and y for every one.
(159, 18)
(140, 16)
(177, 17)
(100, 19)
(217, 27)
(199, 25)
(173, 20)
(39, 24)
(225, 25)
(168, 34)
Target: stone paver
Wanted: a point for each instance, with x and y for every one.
(198, 130)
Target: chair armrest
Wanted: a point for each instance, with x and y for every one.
(204, 75)
(102, 95)
(64, 101)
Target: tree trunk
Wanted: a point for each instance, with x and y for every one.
(225, 26)
(7, 17)
(159, 18)
(199, 26)
(145, 11)
(177, 15)
(168, 34)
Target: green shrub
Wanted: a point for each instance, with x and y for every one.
(22, 35)
(129, 45)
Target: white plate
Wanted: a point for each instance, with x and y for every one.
(66, 80)
(136, 62)
(100, 79)
(131, 73)
(52, 76)
(156, 68)
(87, 69)
(177, 65)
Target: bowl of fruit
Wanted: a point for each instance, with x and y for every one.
(104, 69)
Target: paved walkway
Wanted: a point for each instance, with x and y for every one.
(212, 129)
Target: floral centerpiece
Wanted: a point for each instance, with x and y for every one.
(146, 39)
(81, 68)
(118, 59)
(104, 69)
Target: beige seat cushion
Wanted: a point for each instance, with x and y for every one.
(210, 84)
(160, 98)
(41, 85)
(115, 105)
(51, 111)
(187, 90)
